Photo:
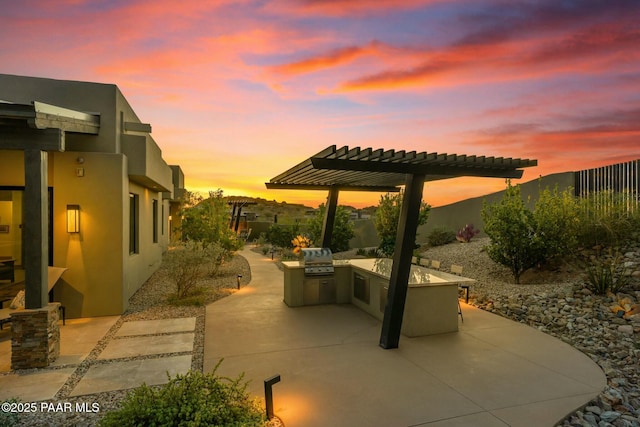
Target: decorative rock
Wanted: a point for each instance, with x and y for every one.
(626, 329)
(609, 416)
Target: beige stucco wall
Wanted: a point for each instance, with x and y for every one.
(92, 284)
(102, 274)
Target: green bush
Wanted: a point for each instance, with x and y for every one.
(441, 236)
(512, 229)
(557, 222)
(361, 252)
(194, 399)
(282, 235)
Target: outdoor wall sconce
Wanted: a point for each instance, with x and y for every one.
(268, 394)
(73, 218)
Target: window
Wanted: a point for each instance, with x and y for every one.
(133, 223)
(162, 218)
(154, 210)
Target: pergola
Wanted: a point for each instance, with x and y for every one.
(365, 169)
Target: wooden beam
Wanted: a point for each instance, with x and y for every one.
(36, 228)
(15, 138)
(399, 280)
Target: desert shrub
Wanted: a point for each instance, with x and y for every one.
(194, 399)
(361, 252)
(215, 255)
(264, 250)
(262, 240)
(299, 243)
(374, 253)
(607, 220)
(604, 273)
(184, 265)
(441, 236)
(466, 233)
(512, 229)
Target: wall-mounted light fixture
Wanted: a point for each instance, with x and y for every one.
(73, 218)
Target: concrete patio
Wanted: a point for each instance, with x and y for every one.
(493, 372)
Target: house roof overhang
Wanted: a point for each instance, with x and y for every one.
(367, 169)
(42, 126)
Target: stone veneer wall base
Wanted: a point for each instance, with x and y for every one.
(35, 337)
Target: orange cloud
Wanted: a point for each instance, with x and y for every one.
(339, 8)
(332, 59)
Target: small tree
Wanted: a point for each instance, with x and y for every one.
(387, 218)
(342, 228)
(207, 221)
(512, 229)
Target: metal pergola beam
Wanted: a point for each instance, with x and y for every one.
(399, 280)
(329, 217)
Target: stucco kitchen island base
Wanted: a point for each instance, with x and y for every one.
(432, 297)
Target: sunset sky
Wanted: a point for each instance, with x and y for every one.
(239, 91)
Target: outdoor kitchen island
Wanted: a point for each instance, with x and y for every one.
(432, 296)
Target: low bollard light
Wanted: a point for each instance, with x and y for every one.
(268, 394)
(239, 277)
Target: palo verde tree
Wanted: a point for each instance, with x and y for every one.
(387, 218)
(342, 228)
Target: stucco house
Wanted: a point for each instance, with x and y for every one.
(109, 191)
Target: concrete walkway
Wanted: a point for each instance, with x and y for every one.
(493, 372)
(141, 351)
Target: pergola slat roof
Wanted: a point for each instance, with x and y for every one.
(366, 169)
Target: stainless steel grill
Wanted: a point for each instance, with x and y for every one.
(317, 261)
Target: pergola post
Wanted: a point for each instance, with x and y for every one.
(238, 214)
(329, 217)
(233, 215)
(399, 280)
(36, 228)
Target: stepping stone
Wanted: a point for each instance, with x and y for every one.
(147, 345)
(130, 374)
(33, 386)
(161, 326)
